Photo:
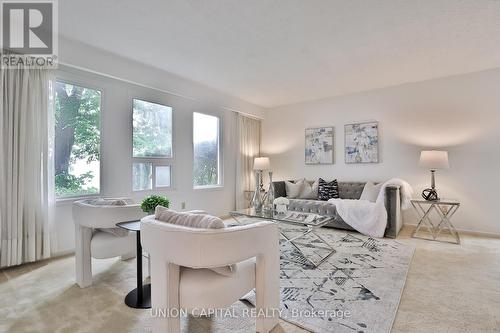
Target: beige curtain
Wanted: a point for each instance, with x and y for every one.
(248, 147)
(24, 166)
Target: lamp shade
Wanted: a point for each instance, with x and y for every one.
(434, 159)
(261, 163)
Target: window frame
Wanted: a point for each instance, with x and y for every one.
(154, 176)
(154, 160)
(84, 84)
(220, 164)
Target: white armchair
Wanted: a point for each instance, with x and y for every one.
(90, 242)
(179, 278)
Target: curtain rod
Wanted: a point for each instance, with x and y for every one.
(249, 115)
(84, 69)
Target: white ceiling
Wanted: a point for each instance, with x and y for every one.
(275, 52)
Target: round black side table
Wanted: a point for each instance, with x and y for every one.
(140, 297)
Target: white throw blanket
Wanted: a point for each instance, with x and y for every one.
(370, 218)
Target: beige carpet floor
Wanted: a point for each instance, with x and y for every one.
(450, 288)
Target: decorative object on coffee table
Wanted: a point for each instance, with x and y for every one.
(248, 196)
(260, 164)
(433, 160)
(445, 209)
(149, 204)
(269, 196)
(361, 142)
(319, 145)
(281, 205)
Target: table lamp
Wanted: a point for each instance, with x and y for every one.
(259, 164)
(433, 160)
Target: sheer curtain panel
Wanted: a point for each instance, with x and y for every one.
(24, 166)
(248, 133)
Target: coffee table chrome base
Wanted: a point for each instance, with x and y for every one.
(444, 224)
(296, 244)
(293, 240)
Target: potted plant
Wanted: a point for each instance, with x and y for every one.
(149, 204)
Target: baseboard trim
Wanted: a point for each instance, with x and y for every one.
(62, 254)
(465, 231)
(53, 256)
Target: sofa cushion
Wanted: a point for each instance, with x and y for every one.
(350, 190)
(312, 206)
(309, 190)
(328, 190)
(370, 192)
(279, 189)
(293, 189)
(347, 190)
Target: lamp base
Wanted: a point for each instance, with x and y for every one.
(257, 196)
(430, 194)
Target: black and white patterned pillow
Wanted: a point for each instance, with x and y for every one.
(327, 190)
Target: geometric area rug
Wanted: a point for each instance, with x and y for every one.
(357, 289)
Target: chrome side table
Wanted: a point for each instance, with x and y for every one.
(445, 210)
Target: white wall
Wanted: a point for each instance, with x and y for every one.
(460, 114)
(116, 132)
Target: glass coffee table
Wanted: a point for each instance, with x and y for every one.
(297, 228)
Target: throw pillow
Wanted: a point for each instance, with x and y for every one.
(328, 190)
(370, 191)
(293, 189)
(202, 221)
(309, 190)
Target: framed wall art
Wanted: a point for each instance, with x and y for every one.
(361, 142)
(319, 145)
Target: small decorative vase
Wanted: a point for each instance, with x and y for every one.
(269, 202)
(257, 198)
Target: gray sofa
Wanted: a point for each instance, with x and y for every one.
(348, 190)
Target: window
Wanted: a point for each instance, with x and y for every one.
(152, 133)
(206, 144)
(77, 140)
(142, 176)
(152, 145)
(162, 176)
